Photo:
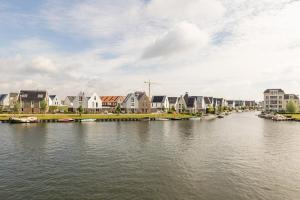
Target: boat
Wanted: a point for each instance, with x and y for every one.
(66, 120)
(23, 120)
(209, 117)
(221, 116)
(195, 118)
(161, 119)
(175, 118)
(145, 119)
(87, 120)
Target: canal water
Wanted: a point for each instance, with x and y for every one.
(238, 157)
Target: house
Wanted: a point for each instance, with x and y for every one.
(273, 99)
(31, 101)
(137, 102)
(54, 100)
(195, 104)
(219, 102)
(159, 103)
(81, 100)
(8, 101)
(239, 104)
(181, 105)
(208, 102)
(94, 103)
(250, 104)
(4, 101)
(290, 97)
(109, 103)
(173, 101)
(231, 104)
(69, 102)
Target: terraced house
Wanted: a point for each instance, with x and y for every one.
(31, 101)
(137, 102)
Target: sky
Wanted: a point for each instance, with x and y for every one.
(224, 48)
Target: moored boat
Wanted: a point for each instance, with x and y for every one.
(209, 117)
(23, 120)
(195, 118)
(87, 120)
(66, 120)
(161, 119)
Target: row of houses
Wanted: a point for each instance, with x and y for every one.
(32, 101)
(277, 100)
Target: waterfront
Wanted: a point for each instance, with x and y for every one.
(238, 157)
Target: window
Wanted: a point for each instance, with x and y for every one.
(40, 96)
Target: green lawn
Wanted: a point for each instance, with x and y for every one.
(293, 116)
(94, 116)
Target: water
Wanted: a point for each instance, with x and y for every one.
(238, 157)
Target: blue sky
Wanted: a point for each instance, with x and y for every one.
(229, 48)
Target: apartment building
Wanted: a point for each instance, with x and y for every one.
(274, 100)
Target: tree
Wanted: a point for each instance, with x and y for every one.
(291, 107)
(17, 107)
(80, 110)
(118, 109)
(44, 106)
(210, 109)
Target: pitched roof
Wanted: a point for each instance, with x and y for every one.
(172, 100)
(13, 94)
(71, 98)
(191, 101)
(158, 99)
(207, 100)
(112, 99)
(2, 96)
(33, 95)
(268, 90)
(52, 96)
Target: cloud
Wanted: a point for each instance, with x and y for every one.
(184, 37)
(42, 65)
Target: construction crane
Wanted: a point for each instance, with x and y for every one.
(150, 83)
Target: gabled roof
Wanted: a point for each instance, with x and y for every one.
(71, 98)
(112, 99)
(139, 95)
(158, 99)
(208, 100)
(191, 101)
(13, 94)
(268, 90)
(52, 96)
(172, 100)
(2, 96)
(33, 95)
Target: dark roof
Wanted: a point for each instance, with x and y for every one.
(158, 99)
(52, 96)
(287, 96)
(71, 98)
(2, 96)
(230, 101)
(33, 95)
(172, 100)
(191, 102)
(207, 100)
(268, 90)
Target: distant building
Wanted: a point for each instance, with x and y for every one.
(8, 101)
(30, 100)
(137, 102)
(94, 104)
(273, 100)
(54, 100)
(159, 104)
(111, 101)
(290, 97)
(194, 104)
(69, 102)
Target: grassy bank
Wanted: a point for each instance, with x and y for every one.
(293, 116)
(94, 116)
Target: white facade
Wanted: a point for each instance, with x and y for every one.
(94, 102)
(54, 100)
(4, 100)
(160, 105)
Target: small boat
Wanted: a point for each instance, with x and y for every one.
(66, 120)
(175, 118)
(145, 119)
(161, 119)
(195, 118)
(87, 120)
(221, 116)
(23, 120)
(209, 117)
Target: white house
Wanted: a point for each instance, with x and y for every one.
(159, 103)
(8, 101)
(69, 101)
(54, 100)
(4, 100)
(94, 103)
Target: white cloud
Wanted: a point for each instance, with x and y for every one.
(184, 37)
